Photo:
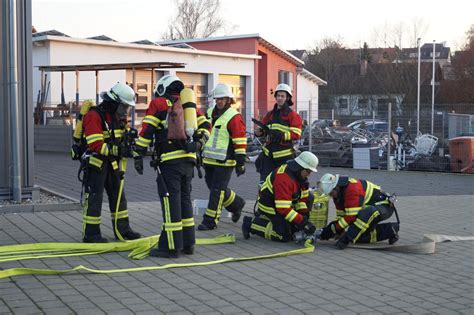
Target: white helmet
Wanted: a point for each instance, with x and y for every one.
(164, 82)
(327, 183)
(308, 160)
(283, 87)
(222, 90)
(120, 93)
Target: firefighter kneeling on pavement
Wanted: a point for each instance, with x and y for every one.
(224, 151)
(104, 131)
(284, 201)
(360, 206)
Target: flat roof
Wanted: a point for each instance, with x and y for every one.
(284, 53)
(113, 66)
(196, 52)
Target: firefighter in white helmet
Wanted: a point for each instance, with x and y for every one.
(360, 206)
(284, 201)
(104, 127)
(283, 126)
(174, 152)
(224, 151)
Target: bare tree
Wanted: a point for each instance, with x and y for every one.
(418, 29)
(195, 19)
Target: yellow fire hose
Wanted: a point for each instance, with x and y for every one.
(139, 249)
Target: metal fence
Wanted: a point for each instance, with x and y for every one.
(400, 139)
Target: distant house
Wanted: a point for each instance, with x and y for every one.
(442, 54)
(359, 89)
(275, 65)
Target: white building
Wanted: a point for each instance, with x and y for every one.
(308, 94)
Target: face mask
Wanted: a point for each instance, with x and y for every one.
(122, 110)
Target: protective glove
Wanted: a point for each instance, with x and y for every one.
(240, 167)
(192, 147)
(307, 227)
(275, 135)
(328, 232)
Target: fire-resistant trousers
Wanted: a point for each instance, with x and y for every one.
(272, 227)
(217, 180)
(366, 228)
(95, 182)
(178, 220)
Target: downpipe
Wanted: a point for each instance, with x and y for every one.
(13, 93)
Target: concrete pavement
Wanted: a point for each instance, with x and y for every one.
(325, 282)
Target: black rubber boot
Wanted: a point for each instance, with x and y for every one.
(236, 214)
(129, 235)
(188, 250)
(94, 239)
(246, 227)
(394, 238)
(164, 253)
(204, 226)
(342, 243)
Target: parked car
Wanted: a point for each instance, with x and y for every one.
(370, 125)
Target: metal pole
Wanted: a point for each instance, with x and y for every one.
(373, 119)
(14, 110)
(433, 89)
(63, 100)
(134, 84)
(418, 90)
(389, 134)
(77, 90)
(310, 123)
(97, 87)
(332, 114)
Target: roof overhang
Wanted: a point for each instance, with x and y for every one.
(196, 52)
(276, 49)
(113, 66)
(310, 76)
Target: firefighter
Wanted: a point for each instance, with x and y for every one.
(284, 127)
(174, 159)
(360, 206)
(224, 151)
(104, 129)
(283, 206)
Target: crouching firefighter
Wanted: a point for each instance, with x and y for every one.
(176, 142)
(282, 127)
(284, 201)
(360, 206)
(104, 128)
(224, 151)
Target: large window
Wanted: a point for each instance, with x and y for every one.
(237, 84)
(198, 83)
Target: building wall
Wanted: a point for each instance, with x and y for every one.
(65, 53)
(274, 64)
(308, 91)
(236, 46)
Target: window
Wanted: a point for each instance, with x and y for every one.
(284, 77)
(142, 99)
(362, 104)
(437, 54)
(413, 55)
(142, 87)
(343, 103)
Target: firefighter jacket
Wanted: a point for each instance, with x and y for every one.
(103, 133)
(227, 138)
(282, 194)
(155, 127)
(353, 197)
(289, 123)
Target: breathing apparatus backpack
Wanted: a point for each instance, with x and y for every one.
(79, 146)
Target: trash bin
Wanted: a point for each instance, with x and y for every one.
(461, 151)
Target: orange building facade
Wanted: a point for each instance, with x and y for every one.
(275, 65)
